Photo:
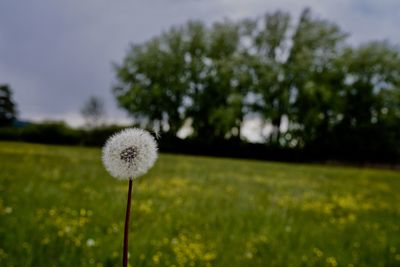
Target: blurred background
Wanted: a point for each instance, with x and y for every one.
(305, 81)
(310, 82)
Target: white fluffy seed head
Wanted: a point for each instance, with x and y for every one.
(129, 153)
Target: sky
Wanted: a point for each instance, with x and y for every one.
(56, 54)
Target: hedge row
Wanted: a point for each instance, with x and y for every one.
(60, 133)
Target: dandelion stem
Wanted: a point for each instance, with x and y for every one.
(126, 230)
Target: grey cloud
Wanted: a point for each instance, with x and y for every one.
(57, 53)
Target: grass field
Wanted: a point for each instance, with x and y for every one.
(58, 207)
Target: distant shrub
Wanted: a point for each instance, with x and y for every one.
(98, 136)
(351, 149)
(58, 133)
(10, 133)
(50, 133)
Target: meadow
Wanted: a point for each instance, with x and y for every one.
(59, 207)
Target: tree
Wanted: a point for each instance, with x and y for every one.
(370, 96)
(330, 93)
(217, 89)
(315, 77)
(8, 110)
(93, 111)
(187, 73)
(291, 70)
(151, 82)
(265, 54)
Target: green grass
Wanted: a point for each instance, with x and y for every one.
(59, 207)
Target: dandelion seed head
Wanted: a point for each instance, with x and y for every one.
(129, 153)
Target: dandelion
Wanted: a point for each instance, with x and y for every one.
(126, 156)
(129, 154)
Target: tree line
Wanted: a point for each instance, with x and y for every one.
(8, 109)
(321, 97)
(330, 95)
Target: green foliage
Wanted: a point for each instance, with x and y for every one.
(188, 72)
(53, 132)
(8, 110)
(49, 133)
(152, 83)
(59, 207)
(216, 109)
(330, 93)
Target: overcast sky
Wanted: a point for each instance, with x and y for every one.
(55, 54)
